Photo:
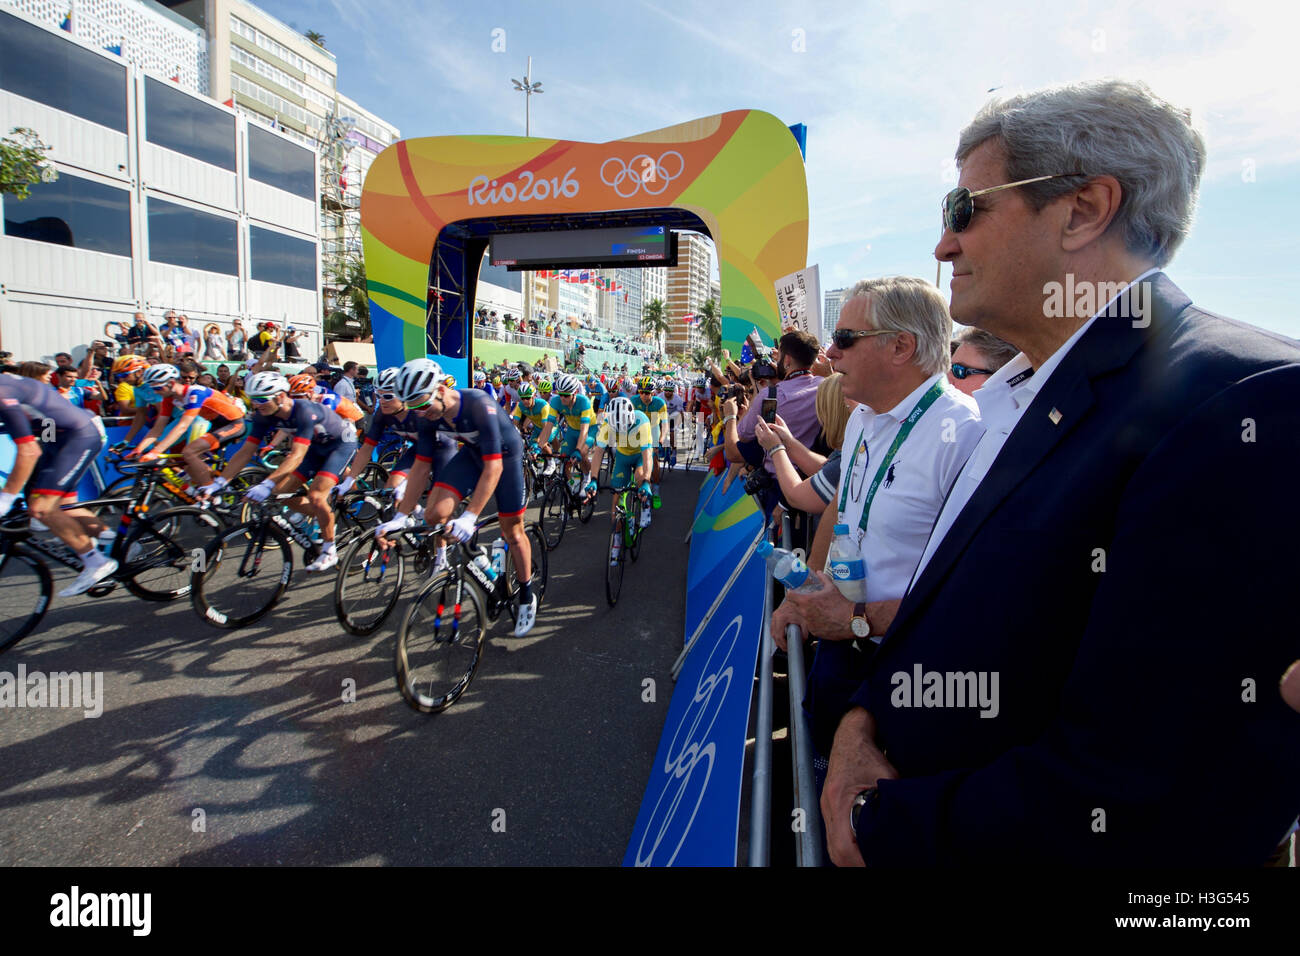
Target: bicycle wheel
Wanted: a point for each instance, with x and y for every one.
(368, 584)
(245, 571)
(540, 571)
(632, 526)
(555, 514)
(157, 557)
(587, 508)
(440, 643)
(606, 467)
(25, 588)
(374, 478)
(614, 569)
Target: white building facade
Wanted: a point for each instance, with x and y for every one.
(164, 200)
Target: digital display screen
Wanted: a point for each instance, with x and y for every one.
(595, 248)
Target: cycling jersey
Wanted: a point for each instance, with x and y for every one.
(28, 409)
(675, 404)
(486, 434)
(630, 442)
(209, 404)
(656, 410)
(408, 429)
(538, 413)
(310, 422)
(580, 414)
(404, 426)
(344, 407)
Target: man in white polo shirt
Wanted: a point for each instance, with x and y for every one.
(904, 446)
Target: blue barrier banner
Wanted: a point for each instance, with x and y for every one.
(690, 813)
(86, 488)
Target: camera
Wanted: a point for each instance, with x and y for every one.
(734, 391)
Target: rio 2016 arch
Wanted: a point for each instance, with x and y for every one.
(430, 205)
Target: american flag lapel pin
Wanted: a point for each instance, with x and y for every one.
(1055, 416)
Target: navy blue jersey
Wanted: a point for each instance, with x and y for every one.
(405, 426)
(25, 404)
(480, 425)
(310, 422)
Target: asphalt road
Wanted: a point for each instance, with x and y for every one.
(238, 747)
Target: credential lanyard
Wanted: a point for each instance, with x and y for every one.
(928, 399)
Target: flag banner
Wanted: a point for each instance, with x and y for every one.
(690, 813)
(799, 297)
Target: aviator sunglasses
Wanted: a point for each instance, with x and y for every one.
(959, 205)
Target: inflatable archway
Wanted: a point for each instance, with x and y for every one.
(740, 174)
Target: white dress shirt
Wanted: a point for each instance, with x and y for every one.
(1001, 406)
(924, 467)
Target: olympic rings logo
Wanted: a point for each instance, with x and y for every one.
(641, 172)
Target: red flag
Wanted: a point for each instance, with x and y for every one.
(230, 102)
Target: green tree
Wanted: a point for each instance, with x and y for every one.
(654, 319)
(711, 326)
(22, 163)
(316, 38)
(352, 298)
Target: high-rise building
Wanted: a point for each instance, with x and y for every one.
(688, 288)
(831, 302)
(267, 73)
(164, 198)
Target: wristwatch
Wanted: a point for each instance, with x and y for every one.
(859, 624)
(859, 802)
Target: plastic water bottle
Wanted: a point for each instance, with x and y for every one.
(846, 566)
(788, 568)
(484, 564)
(499, 555)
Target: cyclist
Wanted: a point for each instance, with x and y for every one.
(395, 419)
(225, 417)
(489, 464)
(323, 444)
(126, 372)
(574, 411)
(656, 410)
(675, 405)
(530, 417)
(69, 440)
(629, 433)
(513, 378)
(597, 392)
(304, 386)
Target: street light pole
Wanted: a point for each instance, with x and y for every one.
(528, 88)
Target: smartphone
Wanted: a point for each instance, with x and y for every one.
(769, 410)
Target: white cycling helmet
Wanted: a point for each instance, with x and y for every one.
(621, 414)
(565, 384)
(418, 377)
(387, 380)
(263, 384)
(157, 376)
(514, 375)
(480, 375)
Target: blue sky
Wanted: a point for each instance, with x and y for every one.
(884, 88)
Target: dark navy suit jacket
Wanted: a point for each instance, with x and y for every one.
(1139, 719)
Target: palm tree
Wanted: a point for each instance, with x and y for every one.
(352, 296)
(711, 327)
(316, 38)
(654, 319)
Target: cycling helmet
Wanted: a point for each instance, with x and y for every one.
(514, 375)
(480, 376)
(302, 386)
(645, 384)
(127, 364)
(544, 386)
(566, 385)
(264, 384)
(526, 392)
(387, 380)
(670, 386)
(701, 382)
(449, 381)
(160, 375)
(621, 414)
(418, 377)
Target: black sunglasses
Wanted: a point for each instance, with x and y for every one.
(959, 205)
(843, 339)
(961, 371)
